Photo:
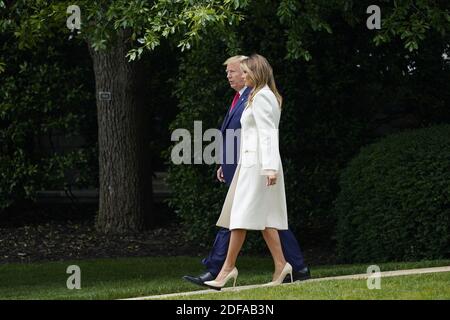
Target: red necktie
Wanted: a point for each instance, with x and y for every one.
(235, 100)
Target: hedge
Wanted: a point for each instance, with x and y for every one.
(394, 203)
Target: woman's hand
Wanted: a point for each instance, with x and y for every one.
(271, 180)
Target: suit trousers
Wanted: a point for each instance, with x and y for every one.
(218, 253)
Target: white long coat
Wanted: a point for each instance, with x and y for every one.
(249, 203)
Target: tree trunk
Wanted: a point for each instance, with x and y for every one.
(124, 169)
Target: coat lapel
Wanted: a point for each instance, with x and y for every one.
(238, 105)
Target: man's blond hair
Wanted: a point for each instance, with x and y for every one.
(234, 59)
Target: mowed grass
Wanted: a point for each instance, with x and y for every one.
(431, 286)
(133, 277)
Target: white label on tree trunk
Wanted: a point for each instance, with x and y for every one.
(104, 96)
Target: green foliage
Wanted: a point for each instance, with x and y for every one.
(17, 178)
(412, 21)
(189, 18)
(44, 97)
(197, 195)
(300, 17)
(149, 22)
(408, 21)
(394, 201)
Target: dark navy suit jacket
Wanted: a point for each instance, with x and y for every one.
(232, 121)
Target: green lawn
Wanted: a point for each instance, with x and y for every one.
(424, 286)
(131, 277)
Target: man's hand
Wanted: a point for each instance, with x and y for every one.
(220, 174)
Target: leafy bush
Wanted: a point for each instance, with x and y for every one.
(394, 202)
(45, 96)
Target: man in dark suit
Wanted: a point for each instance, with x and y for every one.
(225, 173)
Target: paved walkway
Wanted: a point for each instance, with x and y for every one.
(353, 276)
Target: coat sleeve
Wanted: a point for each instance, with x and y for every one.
(267, 134)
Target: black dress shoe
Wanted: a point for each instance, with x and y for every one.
(301, 275)
(199, 280)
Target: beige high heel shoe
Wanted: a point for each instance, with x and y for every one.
(217, 285)
(286, 270)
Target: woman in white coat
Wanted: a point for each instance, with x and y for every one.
(256, 198)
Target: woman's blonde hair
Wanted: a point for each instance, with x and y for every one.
(260, 73)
